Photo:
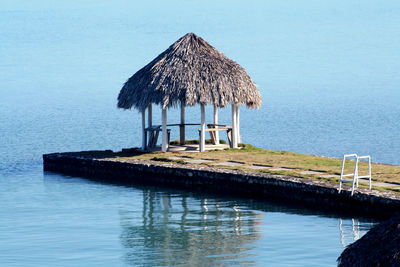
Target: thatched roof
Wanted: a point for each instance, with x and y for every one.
(379, 247)
(193, 72)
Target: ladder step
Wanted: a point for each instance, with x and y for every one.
(350, 181)
(367, 176)
(346, 175)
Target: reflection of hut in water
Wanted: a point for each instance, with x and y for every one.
(199, 233)
(379, 247)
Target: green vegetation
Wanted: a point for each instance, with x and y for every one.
(163, 159)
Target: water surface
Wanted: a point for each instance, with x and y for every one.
(50, 219)
(328, 72)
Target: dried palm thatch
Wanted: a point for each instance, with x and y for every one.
(190, 71)
(379, 247)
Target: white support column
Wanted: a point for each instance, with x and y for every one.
(164, 146)
(144, 135)
(234, 127)
(216, 122)
(239, 138)
(182, 126)
(150, 116)
(202, 140)
(149, 120)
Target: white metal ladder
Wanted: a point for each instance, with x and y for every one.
(369, 176)
(354, 181)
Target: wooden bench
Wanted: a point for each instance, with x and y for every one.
(154, 132)
(212, 130)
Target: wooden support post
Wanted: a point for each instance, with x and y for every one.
(202, 140)
(234, 127)
(239, 138)
(149, 120)
(144, 135)
(182, 126)
(164, 146)
(216, 122)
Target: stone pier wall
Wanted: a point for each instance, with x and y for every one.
(295, 190)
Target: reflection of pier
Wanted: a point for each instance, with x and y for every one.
(198, 232)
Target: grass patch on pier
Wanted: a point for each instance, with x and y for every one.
(164, 159)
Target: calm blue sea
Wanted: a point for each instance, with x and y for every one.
(329, 75)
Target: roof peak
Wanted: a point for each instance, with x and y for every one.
(190, 34)
(191, 38)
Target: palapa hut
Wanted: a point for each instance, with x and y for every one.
(188, 73)
(379, 247)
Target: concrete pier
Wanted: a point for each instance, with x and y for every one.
(297, 190)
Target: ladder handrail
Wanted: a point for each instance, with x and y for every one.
(350, 155)
(369, 170)
(355, 173)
